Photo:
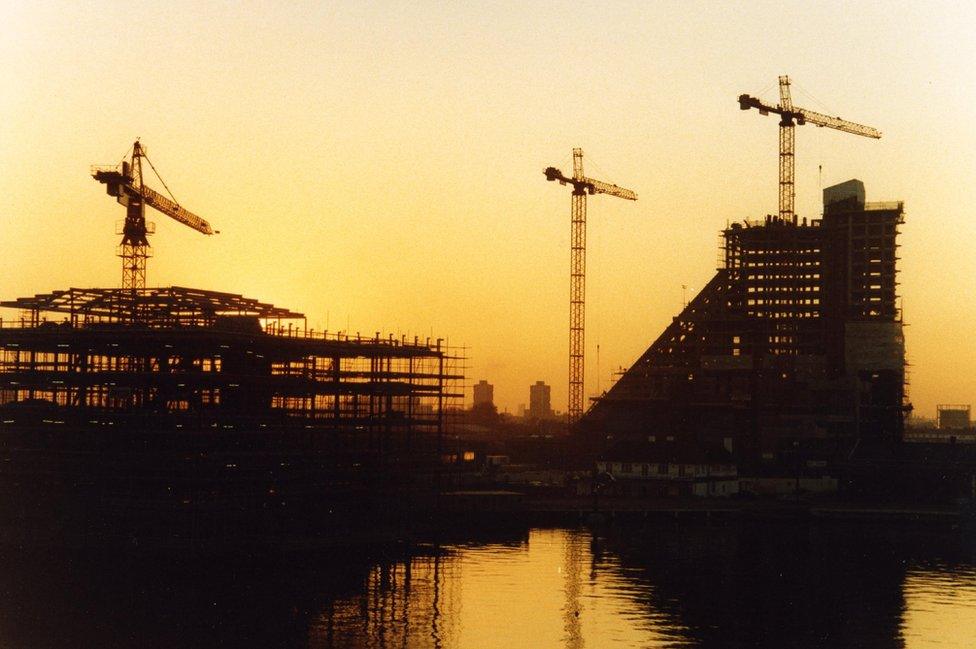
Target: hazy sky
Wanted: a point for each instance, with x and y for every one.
(378, 166)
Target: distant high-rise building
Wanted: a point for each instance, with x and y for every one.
(540, 405)
(484, 394)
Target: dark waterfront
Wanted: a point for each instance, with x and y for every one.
(734, 584)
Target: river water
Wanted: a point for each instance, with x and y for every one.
(671, 584)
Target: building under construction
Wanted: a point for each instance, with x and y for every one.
(791, 358)
(156, 399)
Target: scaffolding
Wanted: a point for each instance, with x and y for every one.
(179, 358)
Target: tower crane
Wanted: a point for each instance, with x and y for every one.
(125, 183)
(793, 116)
(582, 186)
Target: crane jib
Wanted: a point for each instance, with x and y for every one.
(159, 202)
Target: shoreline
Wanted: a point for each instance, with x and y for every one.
(462, 515)
(502, 504)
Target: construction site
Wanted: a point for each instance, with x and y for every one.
(149, 403)
(792, 355)
(786, 373)
(793, 351)
(183, 358)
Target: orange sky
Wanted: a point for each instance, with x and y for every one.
(378, 166)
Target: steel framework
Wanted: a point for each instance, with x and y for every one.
(577, 292)
(201, 359)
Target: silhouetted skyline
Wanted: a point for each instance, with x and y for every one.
(377, 166)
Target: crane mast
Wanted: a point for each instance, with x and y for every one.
(790, 117)
(134, 249)
(787, 142)
(577, 292)
(125, 183)
(582, 186)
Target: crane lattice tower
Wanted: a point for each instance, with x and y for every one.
(582, 186)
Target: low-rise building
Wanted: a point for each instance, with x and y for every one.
(666, 470)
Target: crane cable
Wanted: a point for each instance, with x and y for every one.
(821, 105)
(124, 156)
(161, 179)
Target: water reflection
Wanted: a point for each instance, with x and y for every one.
(769, 585)
(657, 585)
(772, 585)
(550, 590)
(940, 606)
(397, 605)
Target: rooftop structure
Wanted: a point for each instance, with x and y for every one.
(154, 307)
(954, 416)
